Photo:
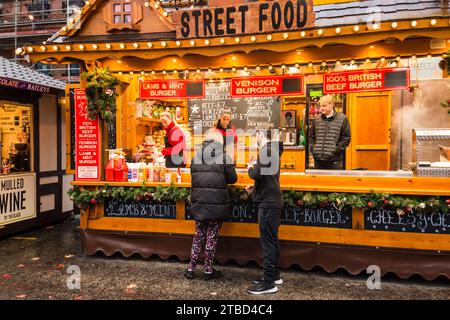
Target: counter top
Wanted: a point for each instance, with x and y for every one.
(406, 185)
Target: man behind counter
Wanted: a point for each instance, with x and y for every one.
(330, 136)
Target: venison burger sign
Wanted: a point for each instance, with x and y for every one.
(261, 17)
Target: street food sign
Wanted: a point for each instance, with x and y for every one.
(164, 89)
(17, 198)
(87, 141)
(267, 86)
(252, 18)
(366, 80)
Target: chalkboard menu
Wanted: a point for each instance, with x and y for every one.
(241, 212)
(417, 222)
(140, 209)
(248, 113)
(328, 217)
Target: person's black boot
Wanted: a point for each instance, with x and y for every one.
(213, 275)
(263, 288)
(278, 280)
(189, 274)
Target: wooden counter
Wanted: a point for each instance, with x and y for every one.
(353, 247)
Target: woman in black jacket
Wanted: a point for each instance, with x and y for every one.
(211, 173)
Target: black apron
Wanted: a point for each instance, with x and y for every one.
(173, 160)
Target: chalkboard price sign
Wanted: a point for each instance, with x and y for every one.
(327, 217)
(417, 222)
(141, 209)
(241, 212)
(247, 113)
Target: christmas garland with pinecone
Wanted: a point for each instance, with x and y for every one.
(85, 198)
(101, 93)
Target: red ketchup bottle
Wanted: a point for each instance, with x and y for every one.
(109, 171)
(118, 169)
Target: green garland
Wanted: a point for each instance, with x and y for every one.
(84, 198)
(101, 93)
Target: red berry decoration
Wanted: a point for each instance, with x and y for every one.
(323, 204)
(386, 201)
(299, 203)
(447, 201)
(93, 202)
(369, 204)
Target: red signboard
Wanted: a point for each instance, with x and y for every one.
(163, 89)
(87, 141)
(366, 80)
(267, 86)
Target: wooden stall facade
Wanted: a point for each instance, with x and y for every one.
(147, 42)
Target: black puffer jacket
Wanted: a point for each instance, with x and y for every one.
(211, 173)
(266, 173)
(330, 137)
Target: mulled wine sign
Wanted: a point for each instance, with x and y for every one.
(253, 18)
(140, 209)
(267, 86)
(172, 89)
(87, 141)
(327, 217)
(380, 219)
(366, 80)
(17, 198)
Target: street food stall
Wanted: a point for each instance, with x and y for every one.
(269, 62)
(31, 174)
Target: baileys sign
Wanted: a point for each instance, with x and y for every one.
(254, 18)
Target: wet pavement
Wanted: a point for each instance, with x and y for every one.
(35, 265)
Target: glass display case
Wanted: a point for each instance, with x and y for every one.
(431, 152)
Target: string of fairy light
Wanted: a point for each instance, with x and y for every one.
(234, 40)
(281, 69)
(316, 66)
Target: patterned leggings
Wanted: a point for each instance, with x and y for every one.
(208, 230)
